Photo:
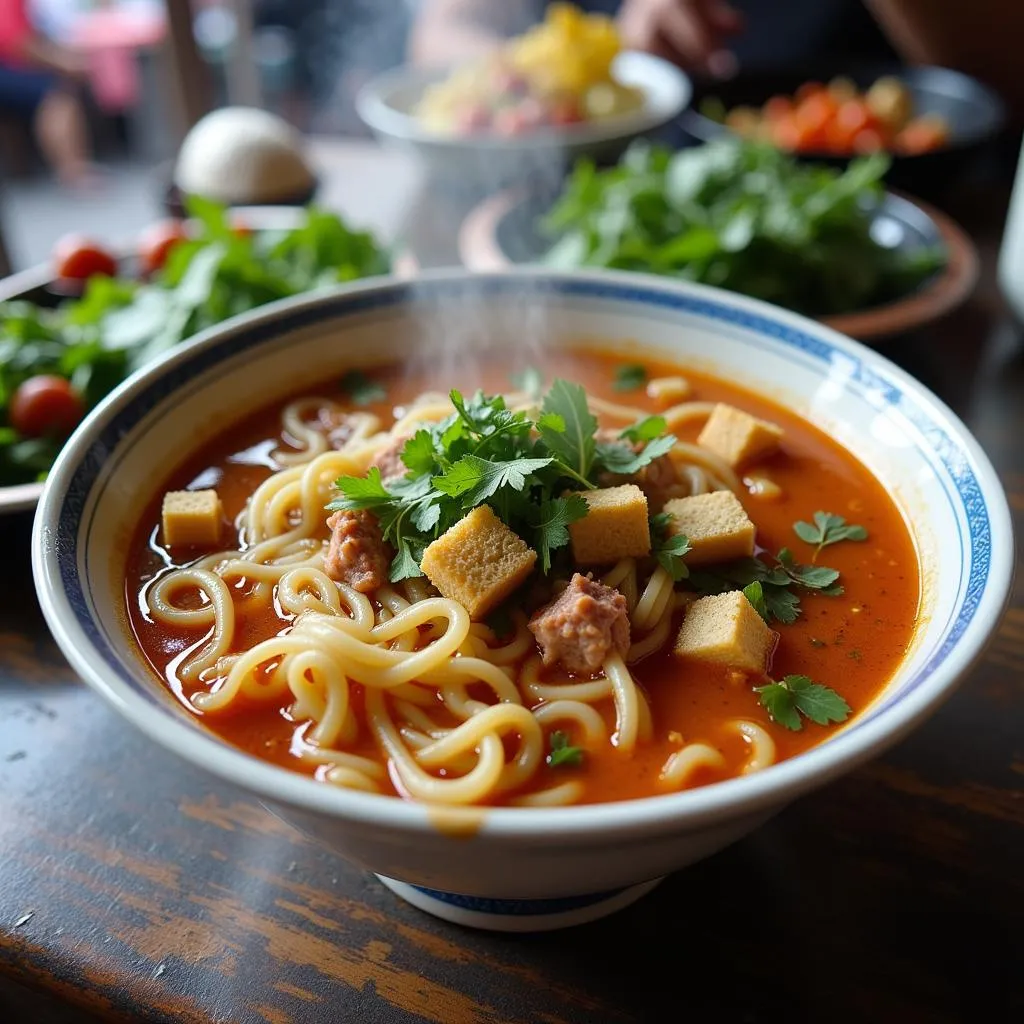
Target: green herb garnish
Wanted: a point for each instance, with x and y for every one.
(630, 377)
(794, 696)
(773, 597)
(669, 548)
(828, 529)
(561, 753)
(740, 215)
(362, 390)
(484, 453)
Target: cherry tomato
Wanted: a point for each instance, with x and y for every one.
(157, 241)
(776, 108)
(78, 258)
(46, 406)
(807, 90)
(786, 134)
(922, 136)
(868, 141)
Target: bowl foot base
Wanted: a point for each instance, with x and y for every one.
(529, 915)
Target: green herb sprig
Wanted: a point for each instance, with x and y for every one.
(561, 753)
(485, 453)
(797, 697)
(770, 587)
(827, 529)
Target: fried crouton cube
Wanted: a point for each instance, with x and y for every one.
(737, 436)
(716, 525)
(614, 527)
(192, 517)
(478, 562)
(725, 630)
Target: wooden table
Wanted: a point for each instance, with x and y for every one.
(133, 887)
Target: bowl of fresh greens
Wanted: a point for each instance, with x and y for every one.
(72, 331)
(824, 242)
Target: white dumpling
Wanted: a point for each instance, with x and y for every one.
(243, 155)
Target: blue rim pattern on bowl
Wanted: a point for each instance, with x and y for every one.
(947, 457)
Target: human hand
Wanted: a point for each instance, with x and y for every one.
(690, 33)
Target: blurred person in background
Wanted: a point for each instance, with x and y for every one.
(718, 37)
(41, 82)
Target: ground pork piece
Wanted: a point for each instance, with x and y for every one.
(582, 625)
(389, 460)
(357, 554)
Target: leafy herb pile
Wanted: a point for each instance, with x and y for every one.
(742, 216)
(119, 324)
(484, 453)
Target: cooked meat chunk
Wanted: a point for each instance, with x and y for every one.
(582, 626)
(389, 460)
(357, 554)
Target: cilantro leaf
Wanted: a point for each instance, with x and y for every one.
(669, 548)
(530, 380)
(621, 459)
(630, 377)
(828, 528)
(406, 563)
(419, 453)
(779, 702)
(361, 389)
(480, 478)
(574, 446)
(794, 696)
(549, 522)
(814, 577)
(754, 593)
(646, 429)
(361, 491)
(562, 753)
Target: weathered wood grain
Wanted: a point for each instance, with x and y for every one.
(133, 888)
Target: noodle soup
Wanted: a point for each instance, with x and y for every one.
(619, 579)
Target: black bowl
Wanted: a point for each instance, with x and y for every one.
(974, 113)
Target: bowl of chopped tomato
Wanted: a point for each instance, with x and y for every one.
(928, 119)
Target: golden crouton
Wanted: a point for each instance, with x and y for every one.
(614, 527)
(192, 517)
(478, 562)
(725, 630)
(715, 524)
(737, 436)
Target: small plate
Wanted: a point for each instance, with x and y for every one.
(974, 113)
(501, 232)
(385, 104)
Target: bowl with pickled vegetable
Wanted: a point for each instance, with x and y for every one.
(929, 120)
(825, 242)
(563, 88)
(72, 330)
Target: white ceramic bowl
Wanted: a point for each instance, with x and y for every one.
(386, 102)
(512, 867)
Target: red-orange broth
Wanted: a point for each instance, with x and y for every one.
(853, 643)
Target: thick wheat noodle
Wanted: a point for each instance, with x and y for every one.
(762, 746)
(311, 440)
(557, 796)
(683, 763)
(655, 639)
(586, 717)
(655, 597)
